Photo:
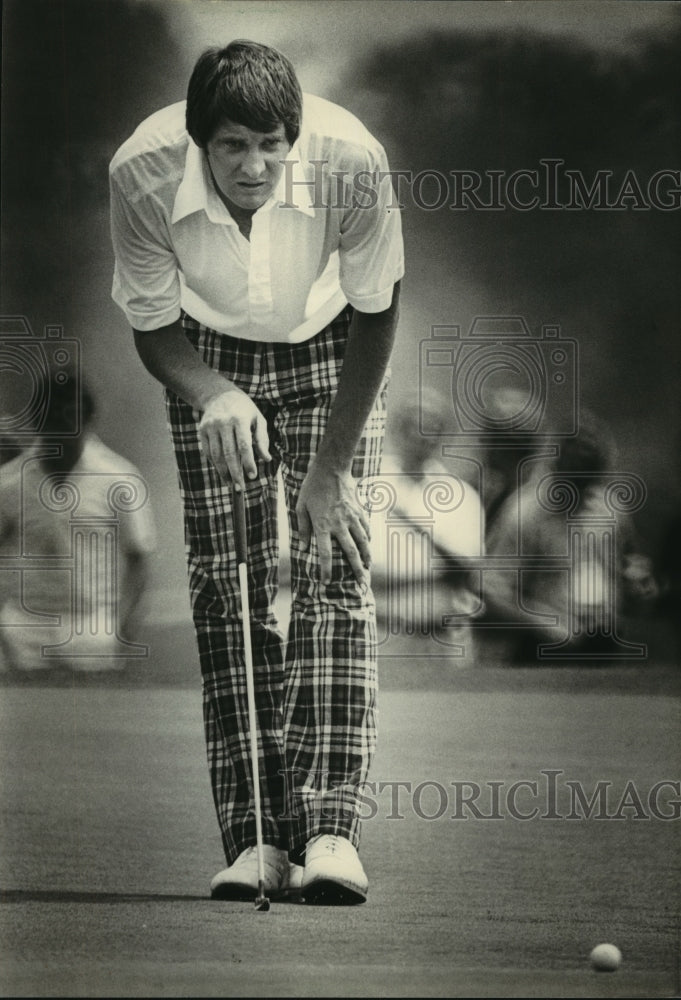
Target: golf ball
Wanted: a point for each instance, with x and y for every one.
(605, 958)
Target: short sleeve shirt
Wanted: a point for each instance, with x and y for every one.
(329, 235)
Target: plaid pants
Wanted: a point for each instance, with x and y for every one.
(315, 690)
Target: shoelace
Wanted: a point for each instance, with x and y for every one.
(250, 851)
(332, 843)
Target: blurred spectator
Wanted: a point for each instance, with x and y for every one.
(47, 599)
(584, 600)
(510, 450)
(432, 504)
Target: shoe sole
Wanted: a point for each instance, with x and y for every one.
(234, 891)
(327, 892)
(242, 892)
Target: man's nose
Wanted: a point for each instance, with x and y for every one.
(253, 163)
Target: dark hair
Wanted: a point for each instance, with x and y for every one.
(247, 83)
(590, 452)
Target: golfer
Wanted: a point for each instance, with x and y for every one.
(258, 254)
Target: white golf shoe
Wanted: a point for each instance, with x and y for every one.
(240, 880)
(333, 873)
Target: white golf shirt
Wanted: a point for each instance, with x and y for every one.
(329, 234)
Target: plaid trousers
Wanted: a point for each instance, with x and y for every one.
(316, 689)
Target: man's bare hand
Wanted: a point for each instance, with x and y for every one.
(233, 435)
(327, 507)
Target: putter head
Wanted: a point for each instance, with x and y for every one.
(262, 903)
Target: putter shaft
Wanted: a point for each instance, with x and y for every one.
(262, 903)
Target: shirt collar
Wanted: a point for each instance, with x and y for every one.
(196, 192)
(192, 195)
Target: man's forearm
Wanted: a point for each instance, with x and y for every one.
(169, 357)
(232, 430)
(367, 355)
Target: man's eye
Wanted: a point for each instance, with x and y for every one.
(271, 144)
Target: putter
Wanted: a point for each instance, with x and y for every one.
(262, 903)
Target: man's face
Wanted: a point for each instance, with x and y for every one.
(246, 164)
